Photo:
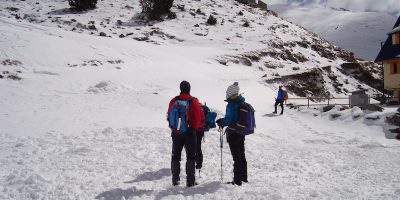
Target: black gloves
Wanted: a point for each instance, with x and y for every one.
(219, 122)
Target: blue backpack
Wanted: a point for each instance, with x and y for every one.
(246, 121)
(178, 115)
(209, 118)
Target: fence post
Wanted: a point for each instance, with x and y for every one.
(308, 102)
(350, 101)
(328, 100)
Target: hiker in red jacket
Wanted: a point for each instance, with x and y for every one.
(184, 117)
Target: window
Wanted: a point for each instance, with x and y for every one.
(394, 68)
(396, 38)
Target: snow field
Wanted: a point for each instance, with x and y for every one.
(87, 121)
(304, 160)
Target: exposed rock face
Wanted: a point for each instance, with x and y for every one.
(372, 107)
(304, 84)
(394, 119)
(254, 3)
(365, 72)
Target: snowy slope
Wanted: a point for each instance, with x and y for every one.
(268, 44)
(357, 31)
(87, 119)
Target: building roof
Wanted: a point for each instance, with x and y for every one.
(395, 30)
(390, 51)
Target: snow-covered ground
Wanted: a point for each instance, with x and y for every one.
(358, 31)
(87, 121)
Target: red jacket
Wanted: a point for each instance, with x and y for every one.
(194, 110)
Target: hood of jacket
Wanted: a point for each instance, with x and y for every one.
(237, 99)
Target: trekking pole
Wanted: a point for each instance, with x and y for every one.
(221, 141)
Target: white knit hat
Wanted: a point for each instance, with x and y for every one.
(232, 90)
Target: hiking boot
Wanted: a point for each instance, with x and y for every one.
(235, 183)
(191, 184)
(175, 183)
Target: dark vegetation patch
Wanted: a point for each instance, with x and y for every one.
(199, 12)
(13, 9)
(115, 61)
(11, 75)
(271, 65)
(96, 63)
(14, 77)
(305, 44)
(211, 20)
(371, 107)
(279, 26)
(335, 115)
(155, 9)
(9, 62)
(327, 108)
(81, 5)
(93, 63)
(141, 39)
(162, 35)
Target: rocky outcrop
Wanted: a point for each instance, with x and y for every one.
(304, 84)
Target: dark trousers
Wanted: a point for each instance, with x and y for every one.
(199, 153)
(236, 144)
(187, 140)
(277, 102)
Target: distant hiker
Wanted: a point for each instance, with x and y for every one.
(279, 99)
(207, 121)
(236, 131)
(184, 118)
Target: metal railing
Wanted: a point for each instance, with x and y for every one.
(321, 101)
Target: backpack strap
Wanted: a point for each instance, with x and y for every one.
(189, 102)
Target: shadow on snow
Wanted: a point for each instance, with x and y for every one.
(271, 115)
(151, 176)
(206, 188)
(118, 193)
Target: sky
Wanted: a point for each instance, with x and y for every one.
(389, 6)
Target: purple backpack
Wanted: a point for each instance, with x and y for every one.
(202, 120)
(246, 121)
